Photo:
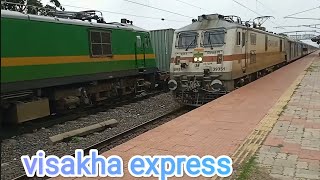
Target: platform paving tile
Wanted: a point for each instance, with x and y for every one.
(292, 149)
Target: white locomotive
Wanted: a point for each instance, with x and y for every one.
(217, 54)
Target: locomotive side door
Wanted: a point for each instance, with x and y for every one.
(289, 51)
(244, 50)
(140, 52)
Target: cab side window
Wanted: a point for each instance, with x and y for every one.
(253, 39)
(147, 41)
(238, 39)
(100, 43)
(243, 39)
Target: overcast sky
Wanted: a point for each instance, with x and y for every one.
(277, 8)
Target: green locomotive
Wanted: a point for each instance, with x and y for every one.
(51, 64)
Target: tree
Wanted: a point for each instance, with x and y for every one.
(33, 6)
(56, 3)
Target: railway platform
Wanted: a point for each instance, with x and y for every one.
(292, 149)
(276, 119)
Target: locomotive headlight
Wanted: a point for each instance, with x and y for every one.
(195, 59)
(200, 59)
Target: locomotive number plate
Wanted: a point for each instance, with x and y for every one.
(218, 69)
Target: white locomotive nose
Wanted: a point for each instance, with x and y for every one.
(172, 84)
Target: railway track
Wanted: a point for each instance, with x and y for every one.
(125, 136)
(29, 127)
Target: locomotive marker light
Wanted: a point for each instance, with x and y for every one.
(184, 64)
(177, 60)
(219, 59)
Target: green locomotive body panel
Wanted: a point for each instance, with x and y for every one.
(39, 49)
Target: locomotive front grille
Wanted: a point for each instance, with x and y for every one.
(197, 90)
(197, 98)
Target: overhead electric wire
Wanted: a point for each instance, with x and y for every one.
(113, 12)
(273, 11)
(246, 7)
(302, 11)
(301, 31)
(311, 27)
(193, 5)
(303, 18)
(252, 10)
(266, 6)
(303, 25)
(158, 8)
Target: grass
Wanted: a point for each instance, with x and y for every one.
(280, 145)
(75, 139)
(312, 68)
(283, 109)
(309, 69)
(248, 168)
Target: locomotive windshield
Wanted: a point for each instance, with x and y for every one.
(214, 38)
(187, 40)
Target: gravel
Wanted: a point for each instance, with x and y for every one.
(127, 116)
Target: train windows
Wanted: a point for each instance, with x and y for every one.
(187, 40)
(105, 36)
(138, 42)
(147, 41)
(213, 38)
(253, 39)
(238, 38)
(95, 37)
(100, 42)
(96, 49)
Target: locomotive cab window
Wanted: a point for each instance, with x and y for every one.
(100, 42)
(213, 38)
(187, 40)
